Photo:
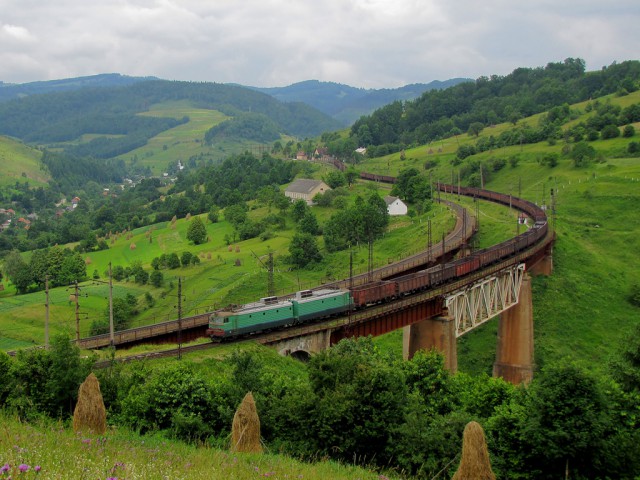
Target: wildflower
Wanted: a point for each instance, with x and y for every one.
(37, 468)
(5, 468)
(23, 467)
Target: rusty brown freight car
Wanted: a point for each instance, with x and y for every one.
(372, 293)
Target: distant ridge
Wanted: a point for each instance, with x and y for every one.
(345, 103)
(10, 91)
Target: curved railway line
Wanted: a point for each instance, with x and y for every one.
(465, 227)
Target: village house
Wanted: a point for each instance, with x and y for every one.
(305, 189)
(301, 155)
(395, 206)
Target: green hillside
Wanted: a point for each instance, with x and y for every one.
(48, 450)
(110, 115)
(20, 163)
(181, 143)
(216, 281)
(582, 310)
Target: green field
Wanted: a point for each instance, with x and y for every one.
(215, 282)
(59, 453)
(20, 163)
(186, 141)
(581, 310)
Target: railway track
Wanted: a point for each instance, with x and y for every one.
(465, 227)
(463, 230)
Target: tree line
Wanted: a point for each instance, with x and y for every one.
(65, 116)
(362, 405)
(489, 100)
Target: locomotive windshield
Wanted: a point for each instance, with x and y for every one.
(219, 318)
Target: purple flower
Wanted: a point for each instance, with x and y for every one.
(37, 468)
(23, 467)
(5, 468)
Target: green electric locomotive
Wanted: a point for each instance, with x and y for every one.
(271, 312)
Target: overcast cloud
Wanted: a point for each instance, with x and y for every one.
(363, 43)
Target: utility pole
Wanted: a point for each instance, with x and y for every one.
(46, 316)
(370, 273)
(270, 284)
(429, 241)
(464, 225)
(179, 318)
(111, 329)
(430, 185)
(350, 284)
(519, 187)
(553, 207)
(77, 295)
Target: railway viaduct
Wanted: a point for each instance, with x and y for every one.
(429, 319)
(435, 319)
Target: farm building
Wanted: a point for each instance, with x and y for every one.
(395, 206)
(305, 189)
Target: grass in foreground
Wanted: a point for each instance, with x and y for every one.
(50, 451)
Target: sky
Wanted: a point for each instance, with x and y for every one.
(273, 43)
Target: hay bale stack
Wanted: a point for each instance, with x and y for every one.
(132, 246)
(475, 462)
(90, 416)
(245, 431)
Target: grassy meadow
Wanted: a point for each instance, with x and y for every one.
(20, 163)
(226, 274)
(50, 450)
(580, 311)
(184, 141)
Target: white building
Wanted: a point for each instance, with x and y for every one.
(395, 206)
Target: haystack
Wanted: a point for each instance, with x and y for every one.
(245, 431)
(474, 463)
(90, 416)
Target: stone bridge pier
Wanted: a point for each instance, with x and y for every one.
(303, 346)
(514, 350)
(438, 332)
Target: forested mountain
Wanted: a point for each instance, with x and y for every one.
(346, 103)
(490, 100)
(9, 91)
(112, 113)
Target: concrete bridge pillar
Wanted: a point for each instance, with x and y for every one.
(437, 332)
(514, 352)
(544, 266)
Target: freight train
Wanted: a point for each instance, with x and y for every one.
(311, 305)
